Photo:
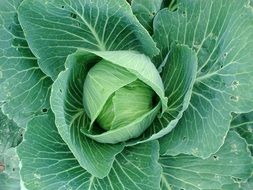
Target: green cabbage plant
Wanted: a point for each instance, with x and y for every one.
(126, 95)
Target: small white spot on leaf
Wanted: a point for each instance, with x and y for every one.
(234, 148)
(8, 94)
(217, 177)
(37, 176)
(195, 151)
(235, 84)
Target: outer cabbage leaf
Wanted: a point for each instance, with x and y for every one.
(55, 29)
(10, 137)
(67, 105)
(10, 133)
(243, 124)
(221, 33)
(248, 185)
(145, 11)
(23, 86)
(54, 166)
(230, 165)
(242, 120)
(240, 185)
(9, 178)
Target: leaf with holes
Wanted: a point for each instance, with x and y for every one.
(178, 72)
(126, 94)
(10, 137)
(243, 124)
(55, 167)
(145, 11)
(9, 170)
(55, 29)
(24, 89)
(232, 163)
(221, 34)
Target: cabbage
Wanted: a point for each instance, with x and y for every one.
(117, 94)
